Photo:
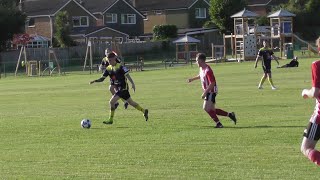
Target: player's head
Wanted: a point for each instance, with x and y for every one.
(295, 58)
(106, 52)
(112, 58)
(265, 43)
(201, 59)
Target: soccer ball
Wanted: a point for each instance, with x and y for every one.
(86, 123)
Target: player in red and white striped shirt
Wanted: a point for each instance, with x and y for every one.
(210, 91)
(312, 132)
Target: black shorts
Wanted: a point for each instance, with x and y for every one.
(211, 97)
(266, 68)
(124, 94)
(312, 131)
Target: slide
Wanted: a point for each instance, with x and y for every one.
(310, 47)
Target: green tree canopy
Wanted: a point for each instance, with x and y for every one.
(12, 21)
(221, 10)
(306, 22)
(62, 34)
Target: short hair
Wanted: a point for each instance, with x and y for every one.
(111, 55)
(201, 56)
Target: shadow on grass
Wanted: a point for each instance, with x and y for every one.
(254, 127)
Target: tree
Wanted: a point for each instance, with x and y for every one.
(62, 34)
(307, 13)
(12, 21)
(165, 32)
(221, 10)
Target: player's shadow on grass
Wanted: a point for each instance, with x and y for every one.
(255, 127)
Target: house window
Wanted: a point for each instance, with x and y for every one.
(31, 22)
(201, 13)
(38, 44)
(111, 18)
(80, 21)
(128, 19)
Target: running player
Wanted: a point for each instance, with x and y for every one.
(210, 91)
(102, 67)
(312, 132)
(118, 76)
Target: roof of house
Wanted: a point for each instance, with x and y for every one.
(244, 13)
(281, 13)
(42, 7)
(265, 2)
(95, 6)
(147, 5)
(187, 39)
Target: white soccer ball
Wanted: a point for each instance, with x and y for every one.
(86, 123)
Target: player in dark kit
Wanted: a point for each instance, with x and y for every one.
(102, 67)
(118, 76)
(267, 54)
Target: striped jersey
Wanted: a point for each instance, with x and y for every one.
(207, 77)
(316, 83)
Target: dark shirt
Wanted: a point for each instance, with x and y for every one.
(117, 76)
(266, 55)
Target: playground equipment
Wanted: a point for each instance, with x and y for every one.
(243, 40)
(51, 68)
(183, 48)
(281, 29)
(247, 35)
(109, 43)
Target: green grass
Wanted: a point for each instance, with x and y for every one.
(42, 139)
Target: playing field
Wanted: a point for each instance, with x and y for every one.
(41, 137)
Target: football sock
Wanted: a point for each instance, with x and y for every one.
(138, 107)
(111, 115)
(221, 112)
(262, 81)
(314, 156)
(270, 81)
(213, 115)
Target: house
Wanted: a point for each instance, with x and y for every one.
(263, 7)
(182, 13)
(116, 14)
(87, 18)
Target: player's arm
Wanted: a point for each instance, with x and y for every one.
(194, 78)
(275, 58)
(98, 80)
(256, 62)
(131, 81)
(310, 93)
(101, 79)
(314, 91)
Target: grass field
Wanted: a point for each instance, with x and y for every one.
(42, 138)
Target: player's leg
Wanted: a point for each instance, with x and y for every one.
(268, 71)
(126, 96)
(310, 139)
(112, 89)
(231, 115)
(209, 107)
(264, 77)
(112, 102)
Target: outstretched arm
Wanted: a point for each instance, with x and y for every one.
(97, 80)
(310, 93)
(131, 81)
(194, 78)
